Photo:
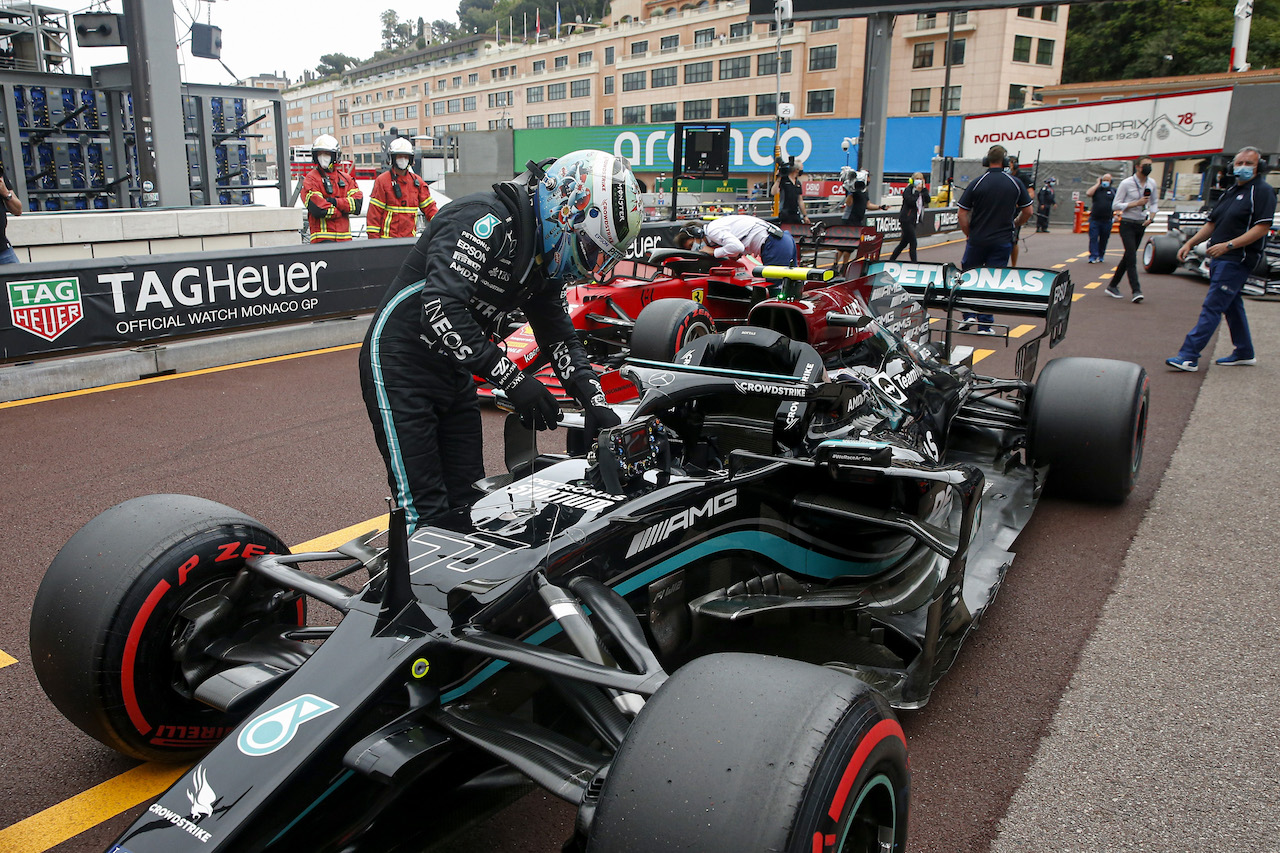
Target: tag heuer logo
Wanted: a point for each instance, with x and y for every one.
(45, 308)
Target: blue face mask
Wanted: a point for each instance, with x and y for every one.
(1244, 173)
(1106, 183)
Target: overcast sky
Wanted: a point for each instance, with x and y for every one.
(284, 36)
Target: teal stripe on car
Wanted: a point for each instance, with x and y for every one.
(775, 547)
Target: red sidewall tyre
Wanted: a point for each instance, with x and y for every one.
(110, 608)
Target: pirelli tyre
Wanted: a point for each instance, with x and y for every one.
(113, 618)
(714, 762)
(666, 326)
(1088, 423)
(1160, 254)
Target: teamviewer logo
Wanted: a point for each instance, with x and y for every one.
(47, 307)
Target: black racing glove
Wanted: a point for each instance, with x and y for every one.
(536, 406)
(585, 388)
(597, 418)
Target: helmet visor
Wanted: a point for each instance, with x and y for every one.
(594, 259)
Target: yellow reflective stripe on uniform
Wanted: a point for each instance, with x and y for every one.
(394, 209)
(378, 204)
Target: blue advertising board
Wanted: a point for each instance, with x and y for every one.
(909, 143)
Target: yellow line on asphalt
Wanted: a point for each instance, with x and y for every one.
(1059, 266)
(1076, 297)
(1019, 331)
(149, 380)
(49, 828)
(980, 354)
(71, 817)
(1093, 285)
(6, 659)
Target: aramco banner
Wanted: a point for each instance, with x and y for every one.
(1180, 125)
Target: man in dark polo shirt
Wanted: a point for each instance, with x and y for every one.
(991, 209)
(1237, 229)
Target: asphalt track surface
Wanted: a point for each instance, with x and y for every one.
(1094, 708)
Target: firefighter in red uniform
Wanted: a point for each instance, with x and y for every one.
(398, 195)
(331, 196)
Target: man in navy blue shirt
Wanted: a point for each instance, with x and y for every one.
(991, 209)
(1103, 194)
(1236, 228)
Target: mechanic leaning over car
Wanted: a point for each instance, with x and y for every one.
(733, 236)
(484, 256)
(1237, 231)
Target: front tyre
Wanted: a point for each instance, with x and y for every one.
(666, 326)
(747, 752)
(1088, 423)
(1160, 255)
(119, 599)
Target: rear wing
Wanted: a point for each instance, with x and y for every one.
(989, 290)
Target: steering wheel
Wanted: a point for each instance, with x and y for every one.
(626, 452)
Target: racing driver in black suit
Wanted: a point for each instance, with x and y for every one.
(481, 257)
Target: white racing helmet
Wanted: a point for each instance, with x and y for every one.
(589, 211)
(325, 144)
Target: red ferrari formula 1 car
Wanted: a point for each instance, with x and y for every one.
(650, 307)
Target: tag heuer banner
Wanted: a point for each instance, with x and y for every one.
(58, 307)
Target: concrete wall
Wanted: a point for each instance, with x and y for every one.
(484, 159)
(38, 237)
(1253, 119)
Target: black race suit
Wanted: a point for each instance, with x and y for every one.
(473, 264)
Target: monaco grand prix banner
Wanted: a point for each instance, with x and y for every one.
(1166, 126)
(54, 308)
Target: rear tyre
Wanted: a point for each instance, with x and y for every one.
(116, 601)
(1088, 423)
(748, 752)
(666, 326)
(1160, 255)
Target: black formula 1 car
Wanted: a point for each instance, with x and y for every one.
(695, 632)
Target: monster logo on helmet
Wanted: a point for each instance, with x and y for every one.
(589, 212)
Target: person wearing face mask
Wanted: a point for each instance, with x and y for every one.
(1100, 219)
(1236, 231)
(856, 205)
(915, 198)
(398, 197)
(1135, 206)
(331, 196)
(731, 237)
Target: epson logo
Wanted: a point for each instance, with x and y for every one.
(751, 387)
(681, 521)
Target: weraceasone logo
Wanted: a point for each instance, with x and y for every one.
(45, 307)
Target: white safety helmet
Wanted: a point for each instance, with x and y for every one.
(325, 144)
(400, 147)
(588, 207)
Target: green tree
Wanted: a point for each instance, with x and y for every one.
(335, 63)
(1159, 38)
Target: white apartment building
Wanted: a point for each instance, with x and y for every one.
(656, 63)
